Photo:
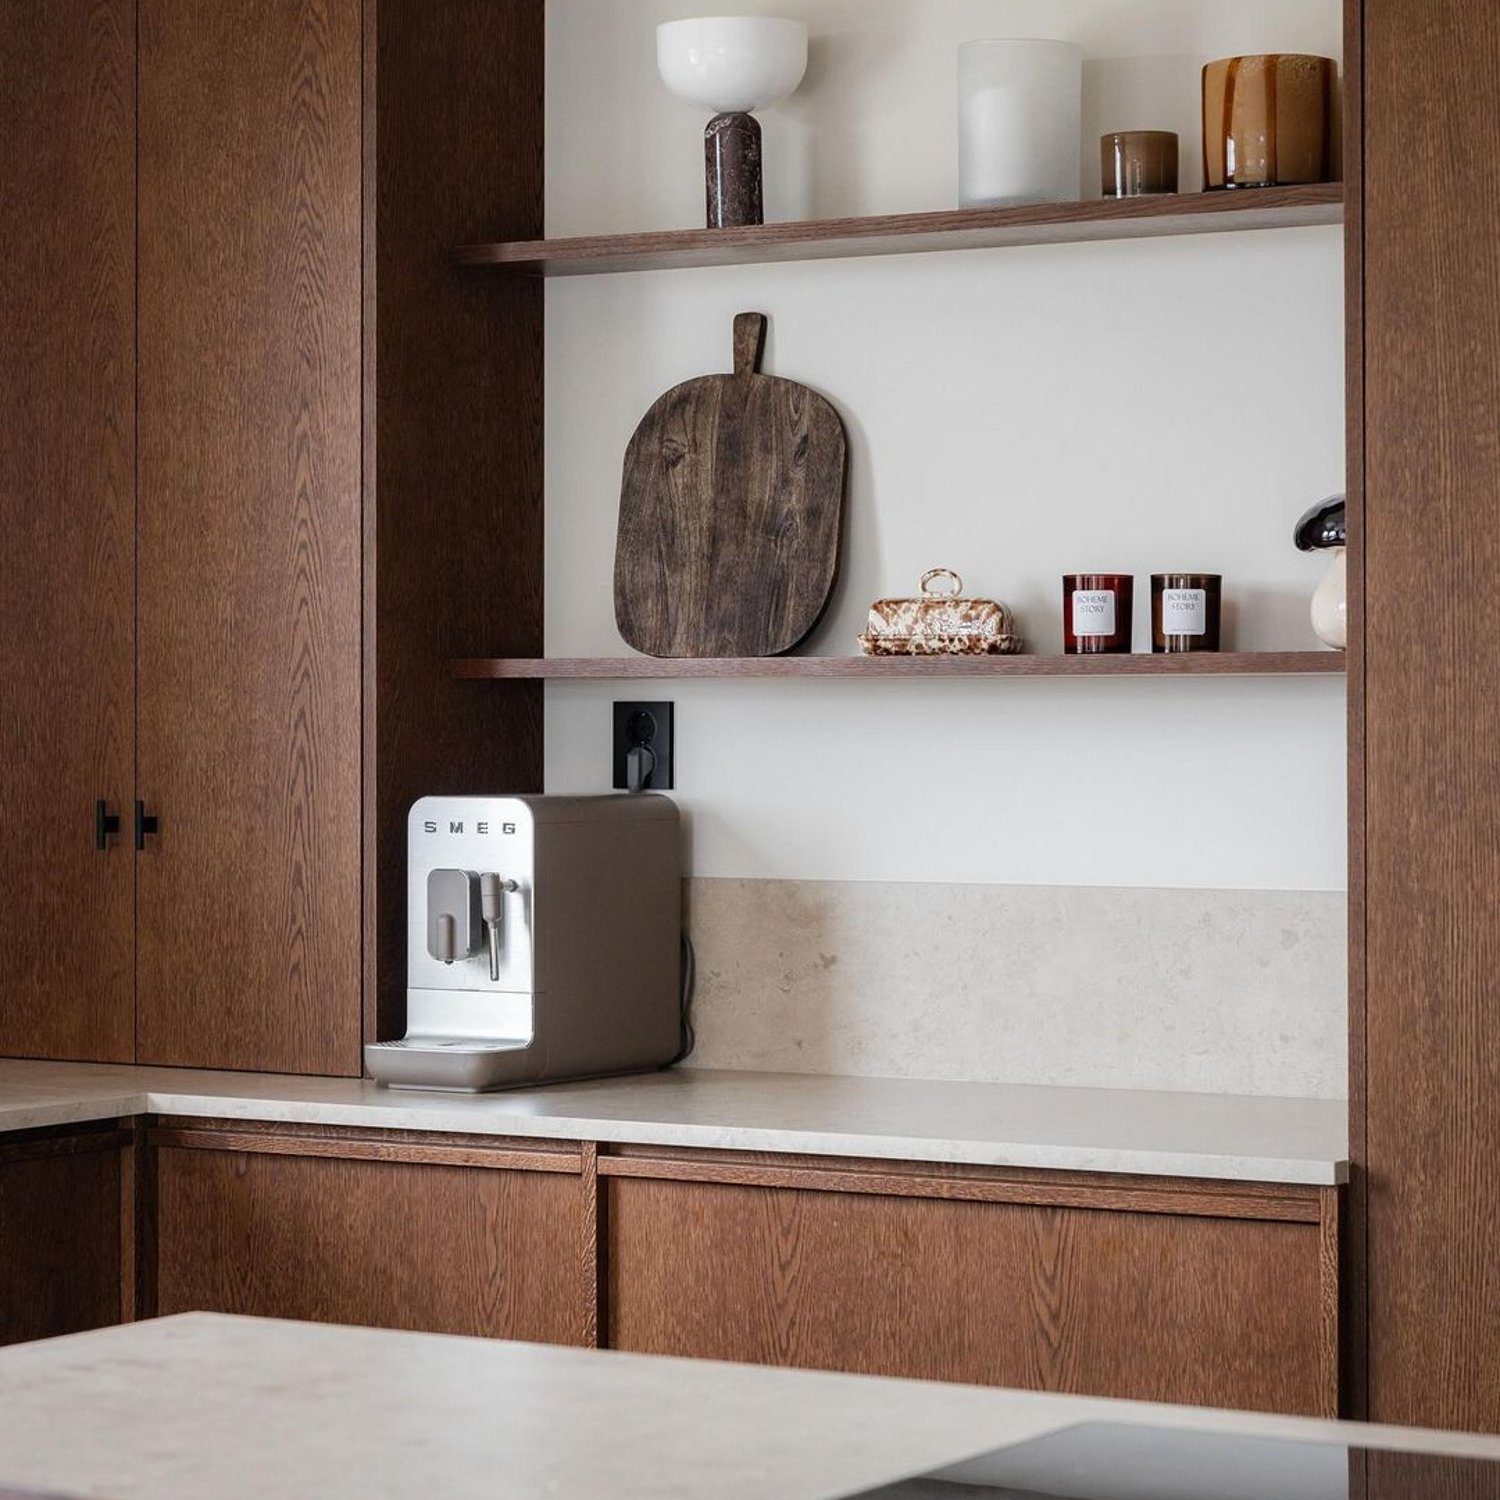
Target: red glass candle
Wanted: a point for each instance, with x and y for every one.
(1097, 611)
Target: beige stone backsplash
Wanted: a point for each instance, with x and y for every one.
(1211, 991)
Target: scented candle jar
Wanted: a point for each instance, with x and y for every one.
(1185, 612)
(1097, 609)
(1136, 163)
(1020, 116)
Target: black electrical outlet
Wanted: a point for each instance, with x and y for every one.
(644, 728)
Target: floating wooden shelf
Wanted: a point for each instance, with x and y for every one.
(906, 234)
(1203, 664)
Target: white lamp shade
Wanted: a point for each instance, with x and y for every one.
(1020, 122)
(732, 64)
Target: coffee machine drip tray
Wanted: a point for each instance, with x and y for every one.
(452, 1064)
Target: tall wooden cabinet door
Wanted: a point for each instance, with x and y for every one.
(250, 545)
(67, 511)
(1432, 710)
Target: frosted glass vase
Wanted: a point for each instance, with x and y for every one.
(1020, 121)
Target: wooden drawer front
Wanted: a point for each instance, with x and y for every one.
(59, 1236)
(1210, 1311)
(442, 1249)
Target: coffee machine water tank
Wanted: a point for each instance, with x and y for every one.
(543, 941)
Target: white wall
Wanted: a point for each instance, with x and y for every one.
(1012, 414)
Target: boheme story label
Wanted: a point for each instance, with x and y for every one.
(1184, 612)
(1093, 612)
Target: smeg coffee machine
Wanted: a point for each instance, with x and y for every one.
(543, 941)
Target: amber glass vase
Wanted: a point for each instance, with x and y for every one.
(1268, 120)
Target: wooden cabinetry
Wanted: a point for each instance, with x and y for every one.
(446, 1235)
(249, 533)
(243, 620)
(67, 502)
(1208, 1293)
(1426, 1075)
(1219, 1294)
(63, 1202)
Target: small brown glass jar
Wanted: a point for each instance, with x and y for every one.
(1185, 612)
(1097, 610)
(1136, 163)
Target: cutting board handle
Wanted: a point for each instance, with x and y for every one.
(749, 341)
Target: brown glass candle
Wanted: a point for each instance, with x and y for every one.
(1097, 609)
(1185, 612)
(1135, 163)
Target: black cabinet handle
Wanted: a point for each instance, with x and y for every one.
(105, 824)
(144, 823)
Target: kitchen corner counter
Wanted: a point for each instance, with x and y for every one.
(1210, 1136)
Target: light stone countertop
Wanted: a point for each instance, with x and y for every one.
(1242, 1138)
(204, 1407)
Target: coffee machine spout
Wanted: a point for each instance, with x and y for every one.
(492, 893)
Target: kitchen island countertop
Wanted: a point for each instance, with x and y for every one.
(1208, 1136)
(205, 1407)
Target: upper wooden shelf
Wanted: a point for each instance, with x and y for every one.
(623, 668)
(906, 234)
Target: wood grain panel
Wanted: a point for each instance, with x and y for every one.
(137, 1224)
(392, 1245)
(595, 1246)
(249, 662)
(1352, 1278)
(370, 1146)
(416, 1145)
(1154, 1195)
(1432, 709)
(1210, 1311)
(60, 1237)
(67, 508)
(453, 437)
(1422, 1476)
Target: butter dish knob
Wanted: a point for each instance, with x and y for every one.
(930, 579)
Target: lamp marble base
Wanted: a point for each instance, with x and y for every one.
(731, 152)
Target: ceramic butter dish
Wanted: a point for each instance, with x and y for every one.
(940, 623)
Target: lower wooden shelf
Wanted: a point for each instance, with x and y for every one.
(624, 668)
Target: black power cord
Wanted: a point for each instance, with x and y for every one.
(688, 977)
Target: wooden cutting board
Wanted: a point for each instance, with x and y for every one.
(730, 512)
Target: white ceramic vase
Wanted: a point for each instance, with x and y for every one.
(1020, 121)
(1330, 605)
